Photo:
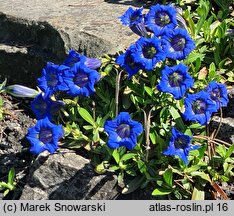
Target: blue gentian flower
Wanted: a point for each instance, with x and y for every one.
(175, 80)
(81, 80)
(180, 145)
(199, 107)
(126, 61)
(148, 52)
(44, 136)
(218, 93)
(74, 57)
(123, 131)
(135, 20)
(45, 107)
(131, 16)
(161, 18)
(21, 91)
(178, 43)
(52, 80)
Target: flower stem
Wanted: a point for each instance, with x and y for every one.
(220, 123)
(147, 123)
(118, 77)
(215, 140)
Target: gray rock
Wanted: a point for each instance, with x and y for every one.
(34, 32)
(226, 132)
(67, 176)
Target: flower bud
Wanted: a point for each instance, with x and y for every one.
(21, 91)
(93, 63)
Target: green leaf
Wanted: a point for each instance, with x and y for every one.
(193, 56)
(148, 90)
(100, 168)
(230, 151)
(126, 101)
(142, 166)
(221, 150)
(161, 191)
(133, 185)
(86, 116)
(131, 172)
(176, 116)
(11, 176)
(192, 169)
(6, 192)
(114, 168)
(120, 177)
(115, 155)
(2, 85)
(202, 11)
(108, 69)
(153, 137)
(168, 177)
(128, 156)
(195, 126)
(88, 127)
(96, 137)
(201, 175)
(198, 194)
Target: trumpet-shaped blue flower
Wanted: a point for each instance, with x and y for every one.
(52, 80)
(161, 18)
(199, 107)
(135, 20)
(175, 80)
(123, 131)
(148, 52)
(81, 80)
(178, 43)
(74, 57)
(126, 61)
(180, 145)
(45, 107)
(44, 136)
(218, 93)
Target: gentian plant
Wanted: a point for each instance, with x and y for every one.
(143, 114)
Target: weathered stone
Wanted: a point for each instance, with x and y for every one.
(66, 175)
(226, 132)
(34, 32)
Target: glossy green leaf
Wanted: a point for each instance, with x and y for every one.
(201, 175)
(128, 156)
(192, 168)
(221, 150)
(176, 116)
(168, 177)
(198, 194)
(142, 166)
(229, 151)
(116, 156)
(133, 185)
(193, 56)
(148, 90)
(11, 176)
(161, 191)
(86, 116)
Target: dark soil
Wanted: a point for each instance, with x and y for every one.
(14, 151)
